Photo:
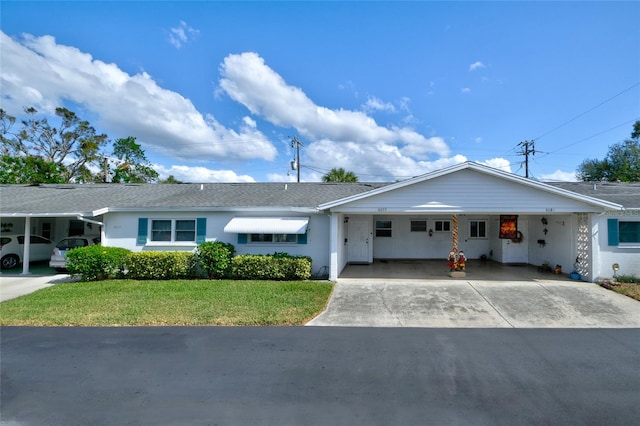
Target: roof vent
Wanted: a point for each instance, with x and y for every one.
(201, 186)
(285, 187)
(595, 187)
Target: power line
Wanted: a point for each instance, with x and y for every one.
(588, 111)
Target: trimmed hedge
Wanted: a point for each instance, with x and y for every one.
(214, 259)
(160, 265)
(95, 263)
(278, 266)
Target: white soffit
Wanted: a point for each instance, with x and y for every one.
(267, 225)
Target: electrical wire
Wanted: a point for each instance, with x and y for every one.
(587, 111)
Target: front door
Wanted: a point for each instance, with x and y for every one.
(358, 240)
(518, 252)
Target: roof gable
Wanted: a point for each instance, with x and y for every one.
(469, 187)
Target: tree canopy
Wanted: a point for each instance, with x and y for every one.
(339, 175)
(622, 162)
(71, 151)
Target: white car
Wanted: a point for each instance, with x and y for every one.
(58, 259)
(12, 249)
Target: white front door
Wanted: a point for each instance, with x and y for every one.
(518, 252)
(358, 240)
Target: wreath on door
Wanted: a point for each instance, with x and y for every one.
(519, 238)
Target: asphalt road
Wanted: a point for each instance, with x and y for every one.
(319, 376)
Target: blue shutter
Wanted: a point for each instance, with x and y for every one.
(143, 225)
(302, 238)
(612, 228)
(201, 230)
(242, 238)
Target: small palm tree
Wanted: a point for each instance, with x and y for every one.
(339, 175)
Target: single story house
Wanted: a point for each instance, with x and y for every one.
(485, 212)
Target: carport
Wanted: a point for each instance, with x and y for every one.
(462, 208)
(411, 270)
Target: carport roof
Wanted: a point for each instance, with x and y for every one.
(602, 199)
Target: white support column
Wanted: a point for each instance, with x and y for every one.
(27, 246)
(333, 246)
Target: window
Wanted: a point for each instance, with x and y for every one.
(273, 238)
(443, 225)
(173, 230)
(418, 226)
(185, 230)
(383, 228)
(629, 232)
(477, 229)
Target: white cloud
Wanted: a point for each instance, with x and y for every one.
(200, 174)
(560, 176)
(375, 104)
(335, 133)
(465, 90)
(498, 163)
(36, 71)
(283, 177)
(478, 140)
(182, 34)
(476, 66)
(371, 162)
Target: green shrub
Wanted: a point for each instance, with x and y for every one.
(95, 263)
(160, 265)
(278, 266)
(214, 258)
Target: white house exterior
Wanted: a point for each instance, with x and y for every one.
(577, 225)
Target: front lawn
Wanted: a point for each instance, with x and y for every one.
(176, 302)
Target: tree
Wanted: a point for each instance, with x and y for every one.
(72, 146)
(622, 162)
(134, 166)
(339, 175)
(170, 179)
(70, 152)
(29, 170)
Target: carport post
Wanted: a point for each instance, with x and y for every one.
(454, 233)
(27, 246)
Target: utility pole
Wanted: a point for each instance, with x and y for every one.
(527, 148)
(295, 164)
(105, 169)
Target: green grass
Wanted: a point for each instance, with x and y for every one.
(177, 302)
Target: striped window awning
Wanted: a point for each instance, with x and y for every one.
(267, 225)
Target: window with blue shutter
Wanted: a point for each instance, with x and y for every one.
(302, 238)
(201, 230)
(612, 229)
(242, 238)
(143, 225)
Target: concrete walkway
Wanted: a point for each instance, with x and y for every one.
(477, 303)
(12, 286)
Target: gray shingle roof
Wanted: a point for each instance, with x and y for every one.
(625, 193)
(86, 198)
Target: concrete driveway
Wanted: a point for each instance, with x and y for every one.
(477, 303)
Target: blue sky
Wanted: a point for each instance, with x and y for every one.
(215, 91)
